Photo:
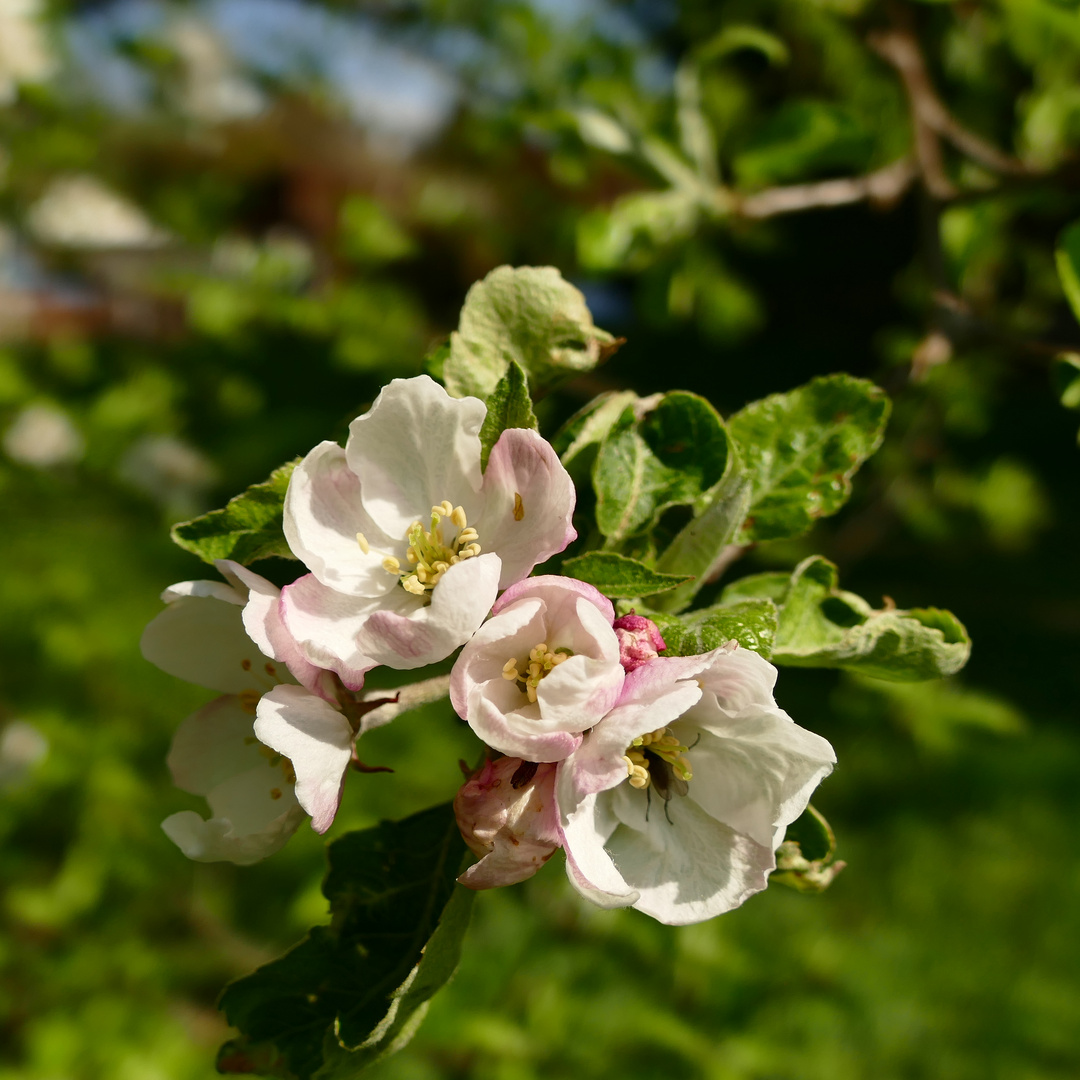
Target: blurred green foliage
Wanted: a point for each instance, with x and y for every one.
(217, 243)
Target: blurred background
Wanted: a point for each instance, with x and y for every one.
(224, 224)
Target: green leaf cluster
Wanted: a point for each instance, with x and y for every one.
(355, 990)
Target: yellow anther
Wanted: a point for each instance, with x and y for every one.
(391, 565)
(467, 535)
(275, 793)
(519, 506)
(470, 551)
(421, 572)
(458, 517)
(410, 584)
(365, 547)
(531, 691)
(510, 665)
(411, 555)
(447, 508)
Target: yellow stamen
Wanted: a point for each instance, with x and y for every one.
(458, 517)
(410, 584)
(519, 507)
(391, 565)
(365, 547)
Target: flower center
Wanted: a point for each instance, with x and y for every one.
(656, 758)
(542, 660)
(429, 553)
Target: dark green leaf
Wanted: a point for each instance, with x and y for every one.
(617, 576)
(528, 314)
(823, 626)
(801, 450)
(508, 406)
(672, 456)
(751, 623)
(247, 528)
(354, 991)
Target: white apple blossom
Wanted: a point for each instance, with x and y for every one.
(507, 816)
(677, 800)
(543, 669)
(407, 541)
(229, 636)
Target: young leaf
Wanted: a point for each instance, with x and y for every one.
(751, 623)
(801, 450)
(590, 425)
(508, 406)
(618, 577)
(822, 626)
(247, 528)
(528, 314)
(700, 545)
(355, 990)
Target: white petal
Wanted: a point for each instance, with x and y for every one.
(417, 635)
(212, 744)
(528, 503)
(740, 679)
(755, 773)
(325, 623)
(219, 590)
(323, 514)
(586, 826)
(201, 639)
(686, 870)
(316, 738)
(415, 447)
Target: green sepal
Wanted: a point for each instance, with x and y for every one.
(247, 528)
(806, 860)
(508, 406)
(801, 450)
(354, 991)
(618, 576)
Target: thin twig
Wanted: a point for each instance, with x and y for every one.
(883, 187)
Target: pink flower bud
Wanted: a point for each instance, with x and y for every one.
(507, 815)
(639, 640)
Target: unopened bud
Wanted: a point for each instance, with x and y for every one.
(639, 640)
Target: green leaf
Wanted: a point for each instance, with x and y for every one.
(805, 859)
(751, 623)
(355, 990)
(627, 235)
(617, 576)
(801, 450)
(528, 314)
(247, 528)
(1066, 375)
(1068, 265)
(672, 456)
(772, 585)
(822, 626)
(508, 406)
(588, 426)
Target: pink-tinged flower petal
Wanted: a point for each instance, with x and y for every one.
(740, 679)
(415, 635)
(598, 765)
(316, 738)
(581, 678)
(200, 639)
(323, 514)
(415, 447)
(514, 830)
(528, 503)
(266, 627)
(686, 870)
(639, 640)
(559, 593)
(325, 624)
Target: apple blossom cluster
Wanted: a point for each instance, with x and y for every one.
(667, 781)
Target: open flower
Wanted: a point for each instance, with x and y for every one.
(677, 800)
(228, 636)
(507, 816)
(543, 669)
(408, 543)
